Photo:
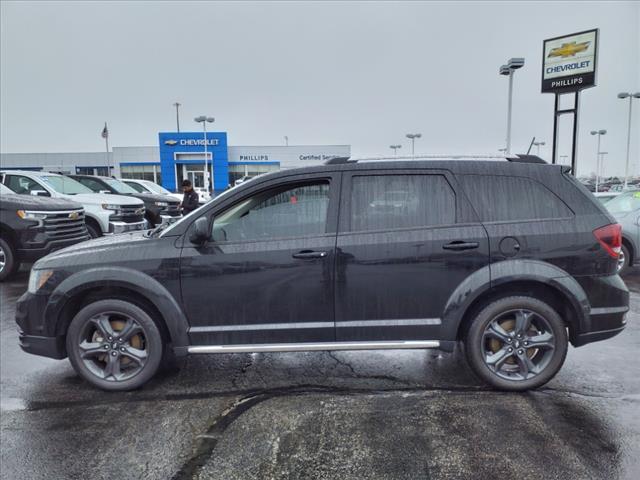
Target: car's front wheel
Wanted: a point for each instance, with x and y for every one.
(8, 260)
(516, 343)
(114, 345)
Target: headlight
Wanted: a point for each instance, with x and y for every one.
(109, 206)
(37, 279)
(161, 204)
(27, 215)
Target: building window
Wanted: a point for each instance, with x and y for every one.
(236, 172)
(142, 172)
(100, 171)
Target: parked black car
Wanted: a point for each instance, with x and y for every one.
(515, 260)
(31, 227)
(158, 208)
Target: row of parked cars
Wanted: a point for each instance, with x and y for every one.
(41, 212)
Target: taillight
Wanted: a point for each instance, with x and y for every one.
(610, 237)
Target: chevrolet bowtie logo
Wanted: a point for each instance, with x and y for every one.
(74, 215)
(170, 142)
(568, 49)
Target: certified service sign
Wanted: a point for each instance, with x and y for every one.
(569, 62)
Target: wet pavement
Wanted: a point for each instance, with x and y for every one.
(384, 414)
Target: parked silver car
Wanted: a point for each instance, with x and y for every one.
(626, 209)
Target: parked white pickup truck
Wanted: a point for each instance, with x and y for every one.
(104, 214)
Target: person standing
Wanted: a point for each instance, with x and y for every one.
(190, 199)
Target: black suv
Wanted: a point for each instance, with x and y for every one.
(513, 259)
(31, 227)
(158, 208)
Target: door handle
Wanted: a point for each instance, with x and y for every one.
(459, 245)
(307, 254)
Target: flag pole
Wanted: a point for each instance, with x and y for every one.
(106, 141)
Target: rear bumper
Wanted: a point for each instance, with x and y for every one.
(609, 299)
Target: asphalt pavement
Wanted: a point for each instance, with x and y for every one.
(338, 415)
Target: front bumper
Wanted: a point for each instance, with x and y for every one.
(123, 227)
(34, 336)
(32, 254)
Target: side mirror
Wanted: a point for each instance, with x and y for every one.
(200, 231)
(40, 193)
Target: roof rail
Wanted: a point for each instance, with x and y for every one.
(516, 158)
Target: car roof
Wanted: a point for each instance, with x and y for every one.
(35, 173)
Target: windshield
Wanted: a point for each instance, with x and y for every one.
(66, 185)
(625, 203)
(6, 190)
(137, 187)
(118, 186)
(155, 188)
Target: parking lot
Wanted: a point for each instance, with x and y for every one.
(391, 414)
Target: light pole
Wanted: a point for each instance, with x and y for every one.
(413, 137)
(177, 105)
(630, 96)
(502, 150)
(538, 145)
(207, 181)
(395, 149)
(599, 133)
(286, 141)
(512, 65)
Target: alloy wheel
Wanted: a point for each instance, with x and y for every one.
(518, 344)
(113, 346)
(621, 261)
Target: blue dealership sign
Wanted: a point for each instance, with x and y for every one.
(178, 149)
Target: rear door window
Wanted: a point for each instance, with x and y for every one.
(502, 198)
(384, 202)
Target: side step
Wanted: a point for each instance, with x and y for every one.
(311, 347)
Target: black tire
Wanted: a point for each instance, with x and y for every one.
(624, 261)
(517, 371)
(8, 261)
(94, 232)
(93, 367)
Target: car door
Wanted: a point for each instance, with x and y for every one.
(266, 275)
(406, 241)
(24, 185)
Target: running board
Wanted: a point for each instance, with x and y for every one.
(311, 347)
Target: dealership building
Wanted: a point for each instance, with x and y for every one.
(179, 156)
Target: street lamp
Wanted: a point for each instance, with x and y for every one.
(413, 137)
(395, 149)
(599, 133)
(630, 96)
(286, 141)
(177, 105)
(207, 181)
(538, 145)
(512, 65)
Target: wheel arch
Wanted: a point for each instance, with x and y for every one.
(631, 247)
(518, 277)
(115, 282)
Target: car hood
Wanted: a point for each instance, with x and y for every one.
(91, 251)
(100, 198)
(30, 202)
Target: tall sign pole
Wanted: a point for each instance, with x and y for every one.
(569, 66)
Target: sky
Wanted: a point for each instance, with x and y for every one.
(356, 73)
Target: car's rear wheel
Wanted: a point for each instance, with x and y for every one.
(516, 343)
(623, 260)
(8, 261)
(114, 345)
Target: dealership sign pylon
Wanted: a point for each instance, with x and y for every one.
(569, 66)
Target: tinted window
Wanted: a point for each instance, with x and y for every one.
(92, 184)
(382, 202)
(23, 185)
(283, 212)
(500, 198)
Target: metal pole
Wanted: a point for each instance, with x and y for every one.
(509, 113)
(574, 149)
(554, 148)
(413, 146)
(626, 166)
(597, 164)
(106, 141)
(177, 105)
(286, 141)
(206, 158)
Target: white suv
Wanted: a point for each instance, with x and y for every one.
(104, 214)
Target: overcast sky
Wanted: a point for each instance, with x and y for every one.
(361, 73)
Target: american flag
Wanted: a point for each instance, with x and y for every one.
(105, 131)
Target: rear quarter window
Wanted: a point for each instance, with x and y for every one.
(504, 198)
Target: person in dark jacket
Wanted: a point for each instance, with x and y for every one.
(190, 199)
